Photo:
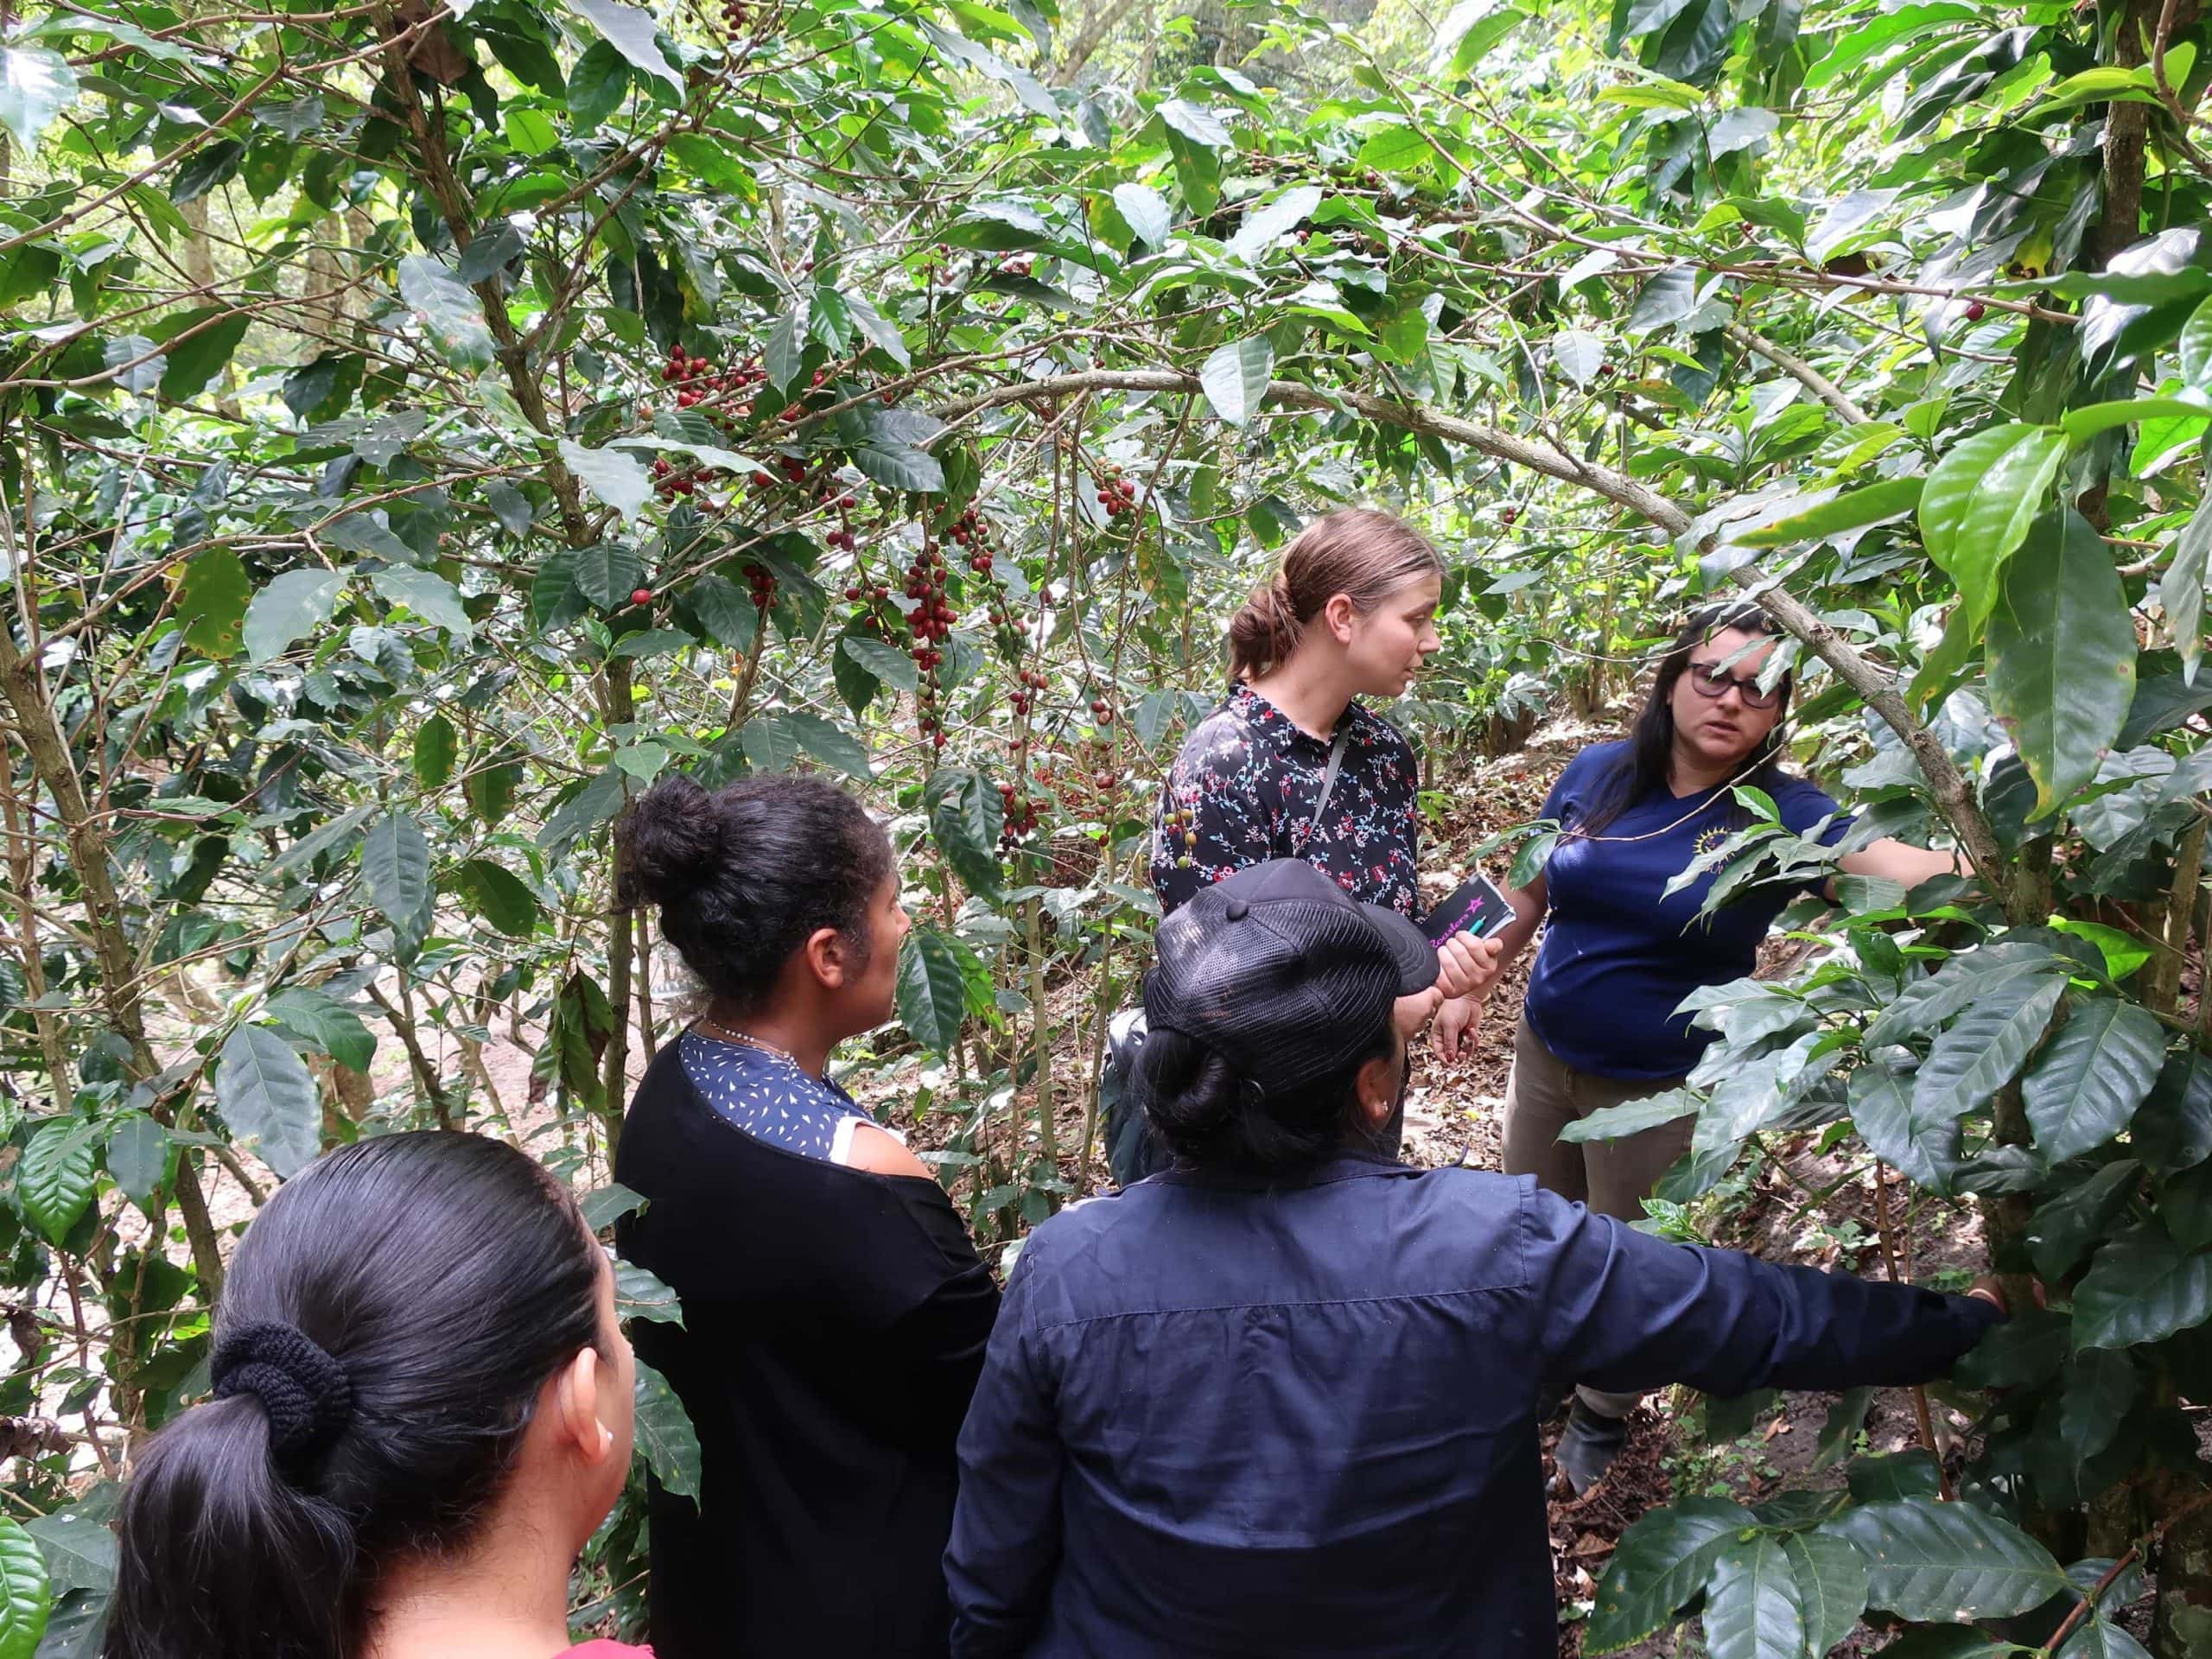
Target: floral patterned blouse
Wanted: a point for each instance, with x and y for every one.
(1243, 791)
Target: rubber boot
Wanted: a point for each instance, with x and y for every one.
(1587, 1447)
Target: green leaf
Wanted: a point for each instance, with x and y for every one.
(1831, 1580)
(1264, 227)
(932, 992)
(966, 815)
(727, 614)
(1663, 1559)
(2063, 1227)
(830, 743)
(1145, 210)
(607, 575)
(1235, 378)
(1579, 354)
(1979, 501)
(2141, 1287)
(888, 662)
(138, 1156)
(293, 604)
(1948, 1561)
(2181, 589)
(35, 86)
(1613, 1122)
(769, 744)
(80, 1549)
(1877, 503)
(198, 348)
(2173, 1130)
(629, 31)
(613, 475)
(25, 1596)
(211, 601)
(1752, 1610)
(2097, 1070)
(437, 744)
(2100, 1385)
(1981, 1052)
(499, 896)
(2084, 424)
(640, 1293)
(326, 1024)
(427, 594)
(1894, 1475)
(900, 465)
(1924, 1145)
(2061, 656)
(785, 354)
(605, 1205)
(449, 311)
(1196, 122)
(665, 1438)
(209, 167)
(57, 1177)
(2099, 1638)
(589, 807)
(263, 1091)
(395, 859)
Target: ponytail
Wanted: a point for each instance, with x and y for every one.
(388, 1322)
(222, 1554)
(1364, 554)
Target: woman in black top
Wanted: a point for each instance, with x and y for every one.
(834, 1311)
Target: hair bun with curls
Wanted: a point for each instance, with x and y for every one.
(672, 842)
(1265, 629)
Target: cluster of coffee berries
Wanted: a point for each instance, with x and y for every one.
(926, 713)
(973, 532)
(762, 581)
(932, 616)
(1020, 816)
(1115, 494)
(736, 18)
(1180, 825)
(1102, 711)
(1509, 516)
(1031, 683)
(670, 480)
(861, 591)
(1017, 267)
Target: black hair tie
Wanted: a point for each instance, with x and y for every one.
(306, 1392)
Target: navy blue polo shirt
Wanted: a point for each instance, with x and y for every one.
(1221, 1418)
(1618, 958)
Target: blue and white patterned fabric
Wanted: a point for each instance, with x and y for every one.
(772, 1099)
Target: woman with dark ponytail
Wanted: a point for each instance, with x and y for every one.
(422, 1413)
(834, 1311)
(1602, 1025)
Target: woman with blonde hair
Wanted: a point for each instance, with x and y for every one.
(1292, 765)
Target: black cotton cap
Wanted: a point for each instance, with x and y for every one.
(1282, 974)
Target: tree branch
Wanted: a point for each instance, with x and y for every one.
(1810, 378)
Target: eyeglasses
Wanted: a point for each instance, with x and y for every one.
(1710, 680)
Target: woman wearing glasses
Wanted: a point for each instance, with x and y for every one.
(1620, 953)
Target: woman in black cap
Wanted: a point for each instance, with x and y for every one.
(422, 1413)
(1283, 1398)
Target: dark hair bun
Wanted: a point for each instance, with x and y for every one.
(672, 839)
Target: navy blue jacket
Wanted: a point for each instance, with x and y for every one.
(1220, 1420)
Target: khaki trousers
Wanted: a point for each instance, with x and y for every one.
(1544, 1094)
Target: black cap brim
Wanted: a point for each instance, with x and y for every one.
(1409, 949)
